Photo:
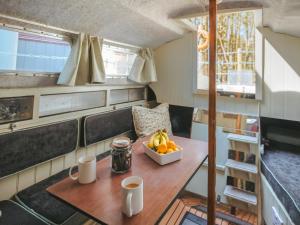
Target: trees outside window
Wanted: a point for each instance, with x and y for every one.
(235, 53)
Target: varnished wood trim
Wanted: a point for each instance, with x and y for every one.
(211, 214)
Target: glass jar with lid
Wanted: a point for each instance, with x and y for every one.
(121, 154)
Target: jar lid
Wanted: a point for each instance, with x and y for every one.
(121, 142)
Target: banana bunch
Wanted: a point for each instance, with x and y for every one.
(159, 137)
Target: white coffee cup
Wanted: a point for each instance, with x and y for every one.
(132, 195)
(86, 170)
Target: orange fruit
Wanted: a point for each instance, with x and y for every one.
(162, 148)
(171, 145)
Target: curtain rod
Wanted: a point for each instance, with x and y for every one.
(108, 41)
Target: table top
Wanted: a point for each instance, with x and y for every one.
(101, 200)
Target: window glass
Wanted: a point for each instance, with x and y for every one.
(235, 53)
(32, 52)
(117, 61)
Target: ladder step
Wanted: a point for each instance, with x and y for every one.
(240, 195)
(246, 167)
(242, 138)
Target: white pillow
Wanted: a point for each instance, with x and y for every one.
(147, 121)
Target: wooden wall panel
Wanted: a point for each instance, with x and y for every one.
(119, 96)
(12, 81)
(136, 94)
(57, 165)
(100, 148)
(42, 171)
(70, 102)
(26, 178)
(8, 187)
(70, 159)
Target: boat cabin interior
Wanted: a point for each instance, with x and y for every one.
(143, 112)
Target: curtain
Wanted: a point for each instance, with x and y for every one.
(143, 69)
(85, 63)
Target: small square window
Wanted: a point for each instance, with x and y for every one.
(117, 61)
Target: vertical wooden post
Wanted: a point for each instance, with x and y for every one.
(211, 205)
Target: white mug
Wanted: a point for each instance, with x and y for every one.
(86, 170)
(132, 195)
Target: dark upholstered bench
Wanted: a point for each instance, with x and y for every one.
(50, 141)
(14, 214)
(51, 209)
(54, 140)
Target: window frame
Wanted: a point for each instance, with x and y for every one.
(14, 28)
(131, 48)
(258, 65)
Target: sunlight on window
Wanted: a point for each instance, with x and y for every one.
(32, 52)
(117, 61)
(235, 52)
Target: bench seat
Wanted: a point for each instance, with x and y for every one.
(48, 207)
(14, 214)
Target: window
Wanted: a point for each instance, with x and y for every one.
(235, 53)
(117, 60)
(29, 52)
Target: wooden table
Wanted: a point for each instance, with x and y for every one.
(101, 200)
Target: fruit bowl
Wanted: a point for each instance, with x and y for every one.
(163, 159)
(161, 149)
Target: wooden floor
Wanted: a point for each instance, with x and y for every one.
(183, 205)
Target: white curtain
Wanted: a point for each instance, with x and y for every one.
(143, 69)
(85, 63)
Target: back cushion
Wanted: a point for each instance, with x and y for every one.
(147, 121)
(181, 119)
(106, 125)
(25, 148)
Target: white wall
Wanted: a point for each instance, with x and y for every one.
(281, 91)
(176, 69)
(199, 183)
(176, 64)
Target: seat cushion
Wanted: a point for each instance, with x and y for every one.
(14, 214)
(281, 169)
(38, 198)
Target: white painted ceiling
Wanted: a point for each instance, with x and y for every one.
(146, 23)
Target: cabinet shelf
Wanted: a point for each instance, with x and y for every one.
(246, 167)
(240, 195)
(242, 138)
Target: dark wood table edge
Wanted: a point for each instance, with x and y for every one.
(159, 219)
(171, 203)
